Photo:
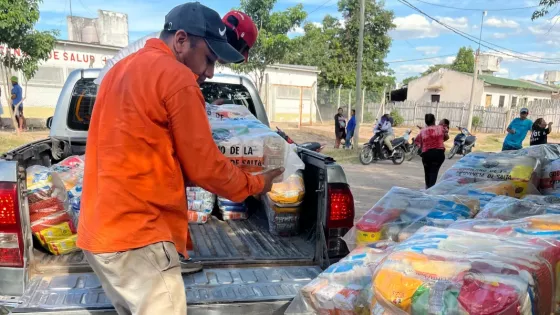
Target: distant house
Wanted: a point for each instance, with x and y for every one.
(452, 86)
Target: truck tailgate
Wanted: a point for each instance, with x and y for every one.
(244, 289)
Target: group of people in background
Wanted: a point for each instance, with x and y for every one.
(520, 126)
(342, 130)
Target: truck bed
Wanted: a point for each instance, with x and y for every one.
(215, 243)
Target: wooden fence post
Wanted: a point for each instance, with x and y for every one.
(415, 111)
(462, 115)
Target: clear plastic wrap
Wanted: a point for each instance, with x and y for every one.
(550, 181)
(402, 211)
(448, 271)
(200, 204)
(542, 231)
(344, 287)
(130, 49)
(71, 172)
(508, 208)
(521, 170)
(290, 191)
(232, 210)
(51, 223)
(250, 144)
(283, 219)
(483, 191)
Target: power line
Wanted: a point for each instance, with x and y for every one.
(554, 24)
(320, 6)
(476, 9)
(419, 59)
(475, 40)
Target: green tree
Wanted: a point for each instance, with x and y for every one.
(464, 62)
(17, 33)
(434, 68)
(544, 8)
(407, 80)
(273, 41)
(332, 47)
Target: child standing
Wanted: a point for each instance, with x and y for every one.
(540, 131)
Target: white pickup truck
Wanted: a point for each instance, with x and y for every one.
(246, 269)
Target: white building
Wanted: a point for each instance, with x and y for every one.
(43, 89)
(288, 92)
(451, 86)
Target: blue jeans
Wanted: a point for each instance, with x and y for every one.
(349, 135)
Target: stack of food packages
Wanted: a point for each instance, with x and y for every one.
(51, 223)
(438, 271)
(200, 204)
(402, 211)
(520, 170)
(71, 172)
(232, 210)
(249, 143)
(283, 205)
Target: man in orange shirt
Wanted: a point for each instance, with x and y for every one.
(149, 134)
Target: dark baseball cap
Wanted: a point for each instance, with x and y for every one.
(198, 20)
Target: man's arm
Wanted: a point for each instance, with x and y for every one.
(201, 161)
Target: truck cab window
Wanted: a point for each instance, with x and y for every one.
(81, 104)
(230, 93)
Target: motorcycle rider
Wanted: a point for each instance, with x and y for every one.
(384, 129)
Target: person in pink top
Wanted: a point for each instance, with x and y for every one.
(431, 139)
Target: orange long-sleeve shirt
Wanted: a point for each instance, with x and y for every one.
(148, 134)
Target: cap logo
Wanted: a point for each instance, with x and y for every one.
(243, 34)
(222, 32)
(169, 25)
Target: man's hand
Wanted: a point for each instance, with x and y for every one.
(511, 131)
(269, 177)
(550, 124)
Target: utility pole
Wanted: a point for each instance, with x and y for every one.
(475, 76)
(359, 73)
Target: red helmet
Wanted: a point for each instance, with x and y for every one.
(241, 31)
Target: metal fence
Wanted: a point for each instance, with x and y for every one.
(329, 99)
(485, 119)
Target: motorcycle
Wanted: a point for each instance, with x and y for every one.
(415, 150)
(463, 143)
(376, 150)
(312, 146)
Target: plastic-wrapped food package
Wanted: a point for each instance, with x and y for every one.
(200, 204)
(402, 211)
(283, 219)
(344, 287)
(51, 223)
(544, 200)
(250, 144)
(508, 208)
(550, 181)
(447, 271)
(541, 231)
(521, 170)
(71, 172)
(130, 49)
(232, 210)
(482, 191)
(290, 191)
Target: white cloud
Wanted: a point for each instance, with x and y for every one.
(534, 77)
(417, 26)
(428, 50)
(449, 60)
(501, 23)
(503, 72)
(413, 68)
(296, 31)
(547, 30)
(499, 35)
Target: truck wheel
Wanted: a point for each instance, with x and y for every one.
(366, 155)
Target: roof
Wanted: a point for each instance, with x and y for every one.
(516, 84)
(295, 67)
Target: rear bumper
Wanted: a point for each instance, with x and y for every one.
(272, 308)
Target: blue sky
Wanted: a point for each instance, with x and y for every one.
(415, 36)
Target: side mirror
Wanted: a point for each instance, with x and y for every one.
(49, 122)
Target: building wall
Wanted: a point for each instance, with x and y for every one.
(44, 88)
(113, 28)
(508, 94)
(456, 87)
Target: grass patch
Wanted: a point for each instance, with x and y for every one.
(32, 112)
(342, 155)
(10, 140)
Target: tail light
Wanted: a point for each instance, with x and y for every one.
(340, 218)
(11, 237)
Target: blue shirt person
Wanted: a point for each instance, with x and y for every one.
(17, 100)
(517, 131)
(350, 129)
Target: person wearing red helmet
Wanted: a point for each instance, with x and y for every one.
(241, 32)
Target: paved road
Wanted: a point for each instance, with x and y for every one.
(370, 182)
